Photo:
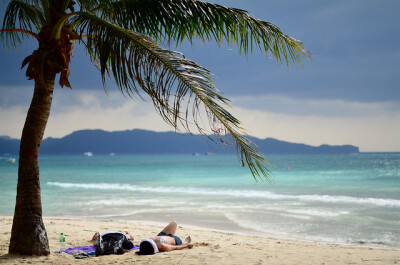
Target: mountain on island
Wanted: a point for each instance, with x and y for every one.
(150, 142)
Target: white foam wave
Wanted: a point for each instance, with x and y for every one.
(109, 202)
(314, 212)
(232, 193)
(144, 201)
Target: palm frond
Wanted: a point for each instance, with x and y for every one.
(23, 16)
(175, 21)
(136, 61)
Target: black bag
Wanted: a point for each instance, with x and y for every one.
(112, 243)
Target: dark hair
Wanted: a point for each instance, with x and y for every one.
(146, 248)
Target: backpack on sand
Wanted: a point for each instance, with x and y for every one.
(112, 243)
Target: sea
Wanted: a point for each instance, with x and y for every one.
(344, 199)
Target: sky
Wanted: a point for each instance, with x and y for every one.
(349, 93)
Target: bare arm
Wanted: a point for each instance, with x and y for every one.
(167, 247)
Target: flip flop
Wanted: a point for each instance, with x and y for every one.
(82, 255)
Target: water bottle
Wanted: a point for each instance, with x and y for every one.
(62, 243)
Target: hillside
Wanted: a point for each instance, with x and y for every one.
(150, 142)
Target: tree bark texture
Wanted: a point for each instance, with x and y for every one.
(28, 235)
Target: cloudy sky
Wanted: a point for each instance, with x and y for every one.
(349, 93)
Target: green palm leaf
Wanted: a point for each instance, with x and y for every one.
(175, 21)
(20, 15)
(121, 38)
(136, 61)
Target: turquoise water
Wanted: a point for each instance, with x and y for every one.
(329, 198)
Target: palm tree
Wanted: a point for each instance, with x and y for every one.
(122, 38)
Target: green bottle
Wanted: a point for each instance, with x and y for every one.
(62, 243)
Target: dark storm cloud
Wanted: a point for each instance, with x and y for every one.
(355, 47)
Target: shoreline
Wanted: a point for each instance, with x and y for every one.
(220, 224)
(211, 247)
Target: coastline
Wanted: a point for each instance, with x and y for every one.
(220, 223)
(211, 246)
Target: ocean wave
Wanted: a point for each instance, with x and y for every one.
(118, 202)
(318, 213)
(232, 193)
(129, 202)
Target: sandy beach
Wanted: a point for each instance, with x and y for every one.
(211, 247)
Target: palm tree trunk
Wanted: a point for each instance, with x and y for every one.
(28, 235)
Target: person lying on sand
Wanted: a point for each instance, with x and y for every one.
(164, 241)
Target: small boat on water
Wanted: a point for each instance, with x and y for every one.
(88, 154)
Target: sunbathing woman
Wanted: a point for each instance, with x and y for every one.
(164, 241)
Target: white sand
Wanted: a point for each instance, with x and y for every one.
(210, 247)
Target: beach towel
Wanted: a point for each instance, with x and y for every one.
(90, 250)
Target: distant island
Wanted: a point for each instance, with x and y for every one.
(150, 142)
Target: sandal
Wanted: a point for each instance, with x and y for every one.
(82, 255)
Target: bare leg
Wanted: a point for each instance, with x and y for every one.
(170, 228)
